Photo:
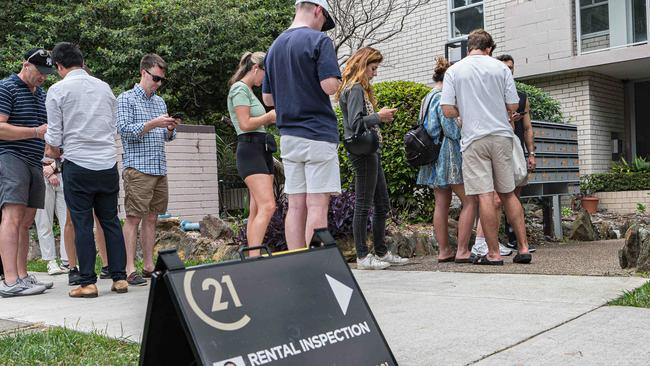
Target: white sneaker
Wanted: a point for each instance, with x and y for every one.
(371, 262)
(31, 280)
(393, 259)
(19, 289)
(504, 250)
(53, 268)
(480, 248)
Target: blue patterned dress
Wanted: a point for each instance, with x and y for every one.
(448, 168)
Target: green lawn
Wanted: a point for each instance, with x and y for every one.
(61, 346)
(639, 298)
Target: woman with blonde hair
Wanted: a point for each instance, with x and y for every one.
(255, 147)
(358, 103)
(445, 174)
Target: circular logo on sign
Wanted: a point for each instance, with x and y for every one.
(208, 285)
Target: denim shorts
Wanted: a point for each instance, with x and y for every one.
(20, 183)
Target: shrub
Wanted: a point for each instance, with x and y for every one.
(615, 182)
(412, 201)
(339, 220)
(542, 106)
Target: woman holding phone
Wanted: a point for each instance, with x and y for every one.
(254, 146)
(357, 101)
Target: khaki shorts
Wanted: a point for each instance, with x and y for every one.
(310, 166)
(488, 166)
(144, 193)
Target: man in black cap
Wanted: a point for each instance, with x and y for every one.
(302, 72)
(23, 123)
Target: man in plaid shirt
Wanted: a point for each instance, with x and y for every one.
(144, 126)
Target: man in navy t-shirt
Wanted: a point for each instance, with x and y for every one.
(23, 123)
(301, 73)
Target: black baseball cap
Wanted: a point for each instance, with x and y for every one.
(42, 59)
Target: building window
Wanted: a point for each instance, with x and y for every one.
(594, 16)
(466, 15)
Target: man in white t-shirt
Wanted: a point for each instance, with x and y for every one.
(482, 91)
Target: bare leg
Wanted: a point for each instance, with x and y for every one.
(23, 240)
(497, 205)
(317, 207)
(515, 214)
(465, 221)
(488, 215)
(100, 241)
(148, 236)
(130, 231)
(12, 215)
(441, 223)
(261, 189)
(294, 224)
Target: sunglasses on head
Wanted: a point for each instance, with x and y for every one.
(155, 78)
(42, 53)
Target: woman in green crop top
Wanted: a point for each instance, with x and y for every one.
(254, 147)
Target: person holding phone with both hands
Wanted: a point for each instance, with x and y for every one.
(145, 126)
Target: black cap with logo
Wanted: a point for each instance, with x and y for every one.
(41, 59)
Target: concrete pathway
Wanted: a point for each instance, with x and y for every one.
(430, 318)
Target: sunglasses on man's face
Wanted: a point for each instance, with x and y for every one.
(155, 78)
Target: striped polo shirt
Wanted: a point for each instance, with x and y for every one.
(25, 109)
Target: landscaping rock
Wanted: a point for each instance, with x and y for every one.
(582, 229)
(215, 228)
(636, 251)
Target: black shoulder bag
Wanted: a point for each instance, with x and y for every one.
(362, 143)
(418, 144)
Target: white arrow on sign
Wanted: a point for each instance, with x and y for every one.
(342, 293)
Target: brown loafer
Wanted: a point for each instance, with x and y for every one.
(87, 291)
(146, 274)
(120, 286)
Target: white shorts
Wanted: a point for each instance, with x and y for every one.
(310, 166)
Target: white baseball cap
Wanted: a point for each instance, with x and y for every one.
(329, 22)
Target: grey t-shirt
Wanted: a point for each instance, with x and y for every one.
(480, 87)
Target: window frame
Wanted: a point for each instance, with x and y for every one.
(594, 4)
(451, 10)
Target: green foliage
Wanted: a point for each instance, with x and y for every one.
(413, 202)
(542, 106)
(201, 40)
(638, 298)
(639, 164)
(62, 346)
(614, 182)
(640, 208)
(567, 212)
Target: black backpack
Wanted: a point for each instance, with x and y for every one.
(419, 146)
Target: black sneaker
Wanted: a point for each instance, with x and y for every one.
(513, 245)
(105, 273)
(74, 277)
(134, 279)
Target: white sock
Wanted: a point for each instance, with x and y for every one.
(479, 240)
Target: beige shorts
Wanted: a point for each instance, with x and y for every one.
(144, 193)
(310, 166)
(488, 166)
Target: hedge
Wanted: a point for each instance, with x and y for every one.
(615, 182)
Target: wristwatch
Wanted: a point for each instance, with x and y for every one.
(532, 153)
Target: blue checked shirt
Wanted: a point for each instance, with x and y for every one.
(143, 152)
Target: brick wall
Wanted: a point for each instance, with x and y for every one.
(595, 103)
(410, 55)
(191, 172)
(592, 43)
(623, 202)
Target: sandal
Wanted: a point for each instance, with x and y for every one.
(464, 260)
(446, 260)
(484, 260)
(524, 258)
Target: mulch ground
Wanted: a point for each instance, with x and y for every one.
(598, 258)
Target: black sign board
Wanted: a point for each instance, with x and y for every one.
(302, 308)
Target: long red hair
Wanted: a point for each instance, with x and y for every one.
(355, 72)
